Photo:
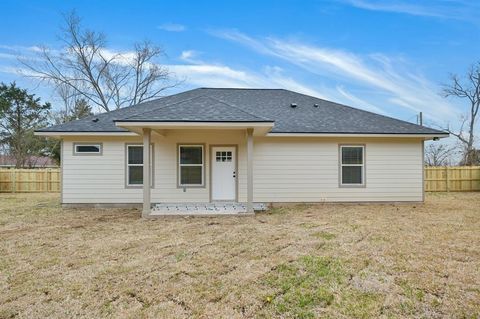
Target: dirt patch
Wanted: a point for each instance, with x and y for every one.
(330, 260)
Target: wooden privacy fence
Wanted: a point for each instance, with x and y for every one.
(30, 180)
(452, 179)
(437, 179)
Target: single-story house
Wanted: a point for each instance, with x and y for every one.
(243, 146)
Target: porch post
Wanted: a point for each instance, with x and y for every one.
(146, 172)
(250, 170)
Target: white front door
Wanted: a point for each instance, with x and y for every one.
(224, 175)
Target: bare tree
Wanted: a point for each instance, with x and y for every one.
(69, 98)
(86, 68)
(468, 88)
(439, 154)
(3, 148)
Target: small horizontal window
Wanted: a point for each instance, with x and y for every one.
(95, 149)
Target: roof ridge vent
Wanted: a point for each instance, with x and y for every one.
(293, 105)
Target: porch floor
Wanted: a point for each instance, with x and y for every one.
(203, 209)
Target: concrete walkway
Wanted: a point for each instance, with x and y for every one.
(203, 209)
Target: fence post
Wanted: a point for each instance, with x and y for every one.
(45, 181)
(471, 179)
(446, 179)
(49, 180)
(14, 184)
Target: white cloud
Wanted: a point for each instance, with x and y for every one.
(190, 56)
(17, 71)
(276, 77)
(196, 72)
(386, 76)
(378, 80)
(236, 36)
(15, 51)
(172, 27)
(32, 48)
(7, 56)
(123, 58)
(395, 6)
(358, 102)
(214, 75)
(10, 70)
(445, 9)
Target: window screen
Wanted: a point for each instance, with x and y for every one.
(135, 165)
(352, 165)
(190, 166)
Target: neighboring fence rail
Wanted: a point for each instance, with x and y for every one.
(30, 180)
(452, 179)
(437, 179)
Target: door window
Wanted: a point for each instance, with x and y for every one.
(223, 156)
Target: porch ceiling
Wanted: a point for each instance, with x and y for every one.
(259, 128)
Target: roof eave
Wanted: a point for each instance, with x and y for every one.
(425, 136)
(60, 134)
(259, 127)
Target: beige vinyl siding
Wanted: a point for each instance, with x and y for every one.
(101, 179)
(166, 166)
(97, 179)
(307, 170)
(296, 169)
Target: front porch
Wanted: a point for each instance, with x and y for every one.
(204, 209)
(196, 159)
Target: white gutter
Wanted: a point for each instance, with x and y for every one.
(226, 125)
(429, 136)
(86, 134)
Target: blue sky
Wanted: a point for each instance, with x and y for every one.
(388, 56)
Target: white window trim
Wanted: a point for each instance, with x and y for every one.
(127, 171)
(362, 184)
(180, 165)
(99, 145)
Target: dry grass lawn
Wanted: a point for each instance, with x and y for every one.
(330, 260)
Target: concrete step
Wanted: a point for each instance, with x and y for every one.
(210, 209)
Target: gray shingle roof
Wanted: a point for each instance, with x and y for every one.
(311, 115)
(198, 109)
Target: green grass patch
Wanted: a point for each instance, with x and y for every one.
(411, 292)
(181, 255)
(308, 225)
(414, 297)
(303, 286)
(315, 286)
(356, 304)
(324, 235)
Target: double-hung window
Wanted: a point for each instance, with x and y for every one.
(352, 165)
(135, 165)
(190, 166)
